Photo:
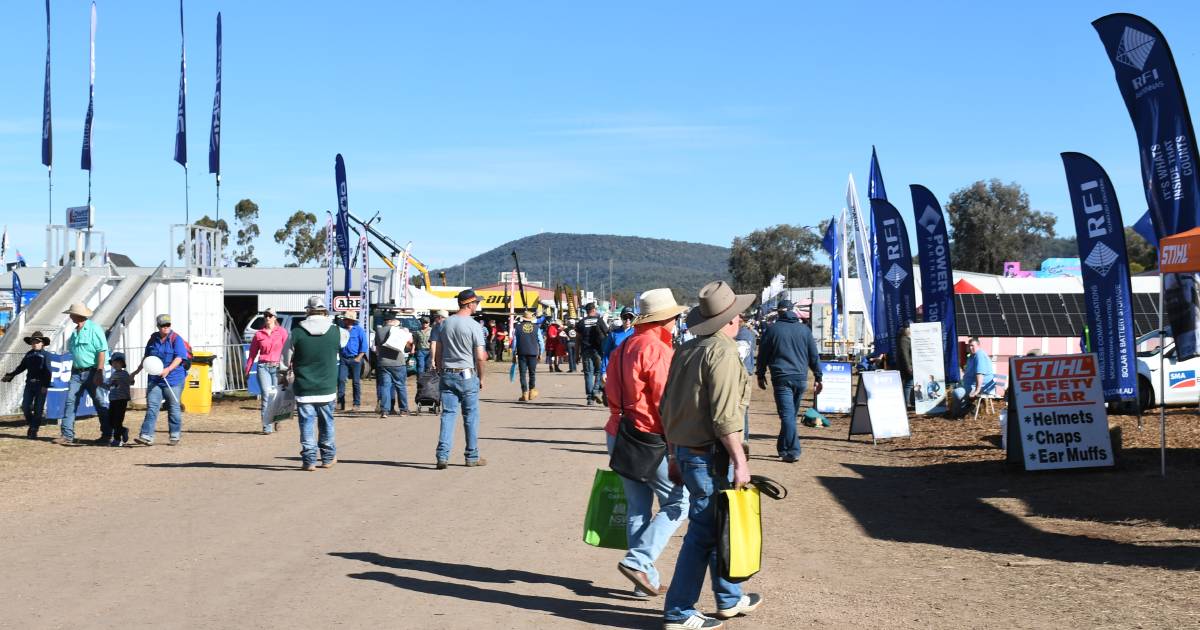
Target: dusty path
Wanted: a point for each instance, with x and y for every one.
(225, 532)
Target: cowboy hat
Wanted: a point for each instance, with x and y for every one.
(37, 336)
(657, 305)
(80, 309)
(350, 315)
(718, 306)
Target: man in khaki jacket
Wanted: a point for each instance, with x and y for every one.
(702, 411)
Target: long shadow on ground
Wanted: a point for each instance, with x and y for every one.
(219, 465)
(943, 504)
(600, 614)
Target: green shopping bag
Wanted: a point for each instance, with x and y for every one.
(604, 524)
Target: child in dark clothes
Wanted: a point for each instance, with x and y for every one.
(118, 399)
(36, 365)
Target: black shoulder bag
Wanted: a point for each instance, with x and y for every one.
(636, 454)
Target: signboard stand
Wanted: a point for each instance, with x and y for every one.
(835, 396)
(929, 371)
(879, 408)
(1056, 414)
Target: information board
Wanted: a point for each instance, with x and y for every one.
(1059, 420)
(836, 388)
(929, 368)
(347, 303)
(879, 408)
(80, 217)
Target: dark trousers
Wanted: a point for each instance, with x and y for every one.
(116, 417)
(349, 370)
(572, 358)
(789, 390)
(527, 363)
(498, 350)
(591, 371)
(33, 405)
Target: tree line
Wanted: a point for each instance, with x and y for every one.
(990, 223)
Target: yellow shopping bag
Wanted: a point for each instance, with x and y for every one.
(740, 514)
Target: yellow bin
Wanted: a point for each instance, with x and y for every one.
(197, 388)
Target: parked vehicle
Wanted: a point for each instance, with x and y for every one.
(1181, 381)
(288, 320)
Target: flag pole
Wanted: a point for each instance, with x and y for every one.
(50, 195)
(187, 211)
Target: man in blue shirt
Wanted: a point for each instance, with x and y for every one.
(168, 385)
(350, 360)
(979, 376)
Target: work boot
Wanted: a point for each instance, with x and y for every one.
(524, 396)
(532, 394)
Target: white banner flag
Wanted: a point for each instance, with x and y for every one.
(862, 251)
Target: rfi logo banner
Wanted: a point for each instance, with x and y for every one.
(1059, 420)
(1149, 83)
(1108, 298)
(836, 388)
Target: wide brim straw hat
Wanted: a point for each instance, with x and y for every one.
(718, 306)
(37, 336)
(80, 309)
(657, 305)
(350, 315)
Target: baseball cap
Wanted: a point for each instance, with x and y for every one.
(316, 303)
(785, 305)
(466, 296)
(627, 312)
(162, 320)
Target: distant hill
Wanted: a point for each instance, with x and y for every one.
(637, 263)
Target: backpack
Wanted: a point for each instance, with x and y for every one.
(186, 363)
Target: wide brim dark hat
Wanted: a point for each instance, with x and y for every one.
(718, 306)
(37, 336)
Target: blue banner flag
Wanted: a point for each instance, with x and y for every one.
(937, 273)
(1108, 296)
(832, 245)
(342, 227)
(18, 294)
(85, 160)
(875, 189)
(47, 133)
(1145, 229)
(181, 112)
(1149, 83)
(895, 300)
(214, 135)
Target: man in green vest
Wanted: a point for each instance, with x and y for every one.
(311, 355)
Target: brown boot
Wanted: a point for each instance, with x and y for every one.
(532, 394)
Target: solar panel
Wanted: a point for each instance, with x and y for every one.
(1039, 314)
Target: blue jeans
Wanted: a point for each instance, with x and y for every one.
(527, 363)
(320, 415)
(84, 381)
(572, 356)
(422, 361)
(649, 533)
(33, 405)
(699, 550)
(349, 369)
(392, 380)
(789, 390)
(591, 371)
(459, 393)
(268, 384)
(156, 393)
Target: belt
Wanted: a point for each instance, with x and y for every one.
(76, 370)
(456, 370)
(700, 451)
(273, 364)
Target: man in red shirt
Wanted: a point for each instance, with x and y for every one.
(637, 374)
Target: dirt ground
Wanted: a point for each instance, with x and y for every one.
(929, 531)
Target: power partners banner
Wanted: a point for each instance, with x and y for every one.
(1149, 83)
(937, 275)
(1108, 298)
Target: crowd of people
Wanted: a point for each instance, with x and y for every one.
(682, 375)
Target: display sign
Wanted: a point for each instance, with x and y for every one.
(81, 217)
(929, 368)
(347, 303)
(836, 388)
(1059, 420)
(879, 409)
(60, 381)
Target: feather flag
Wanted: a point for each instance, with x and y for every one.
(862, 250)
(47, 131)
(85, 160)
(214, 134)
(181, 112)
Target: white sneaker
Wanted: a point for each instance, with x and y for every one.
(695, 622)
(746, 604)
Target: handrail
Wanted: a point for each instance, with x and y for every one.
(123, 318)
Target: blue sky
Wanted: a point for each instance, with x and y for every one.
(469, 124)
